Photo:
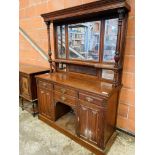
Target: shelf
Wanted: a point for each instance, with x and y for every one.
(88, 63)
(67, 122)
(28, 107)
(79, 39)
(77, 32)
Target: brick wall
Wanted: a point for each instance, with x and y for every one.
(126, 111)
(28, 54)
(33, 25)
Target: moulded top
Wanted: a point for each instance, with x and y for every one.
(94, 86)
(31, 69)
(86, 10)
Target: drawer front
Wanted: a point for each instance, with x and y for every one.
(64, 98)
(91, 99)
(44, 84)
(66, 91)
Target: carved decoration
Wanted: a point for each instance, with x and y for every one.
(49, 47)
(121, 13)
(25, 88)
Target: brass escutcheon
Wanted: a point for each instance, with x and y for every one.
(89, 99)
(63, 90)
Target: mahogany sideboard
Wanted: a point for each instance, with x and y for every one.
(27, 84)
(79, 97)
(94, 103)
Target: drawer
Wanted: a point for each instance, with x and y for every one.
(64, 98)
(91, 99)
(66, 91)
(44, 84)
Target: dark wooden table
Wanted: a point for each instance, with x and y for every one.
(27, 85)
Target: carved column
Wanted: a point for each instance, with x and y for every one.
(49, 47)
(116, 81)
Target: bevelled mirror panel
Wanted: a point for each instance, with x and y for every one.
(61, 42)
(110, 39)
(107, 74)
(84, 40)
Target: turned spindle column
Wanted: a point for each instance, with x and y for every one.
(52, 67)
(116, 80)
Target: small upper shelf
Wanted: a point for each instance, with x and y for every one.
(87, 10)
(85, 63)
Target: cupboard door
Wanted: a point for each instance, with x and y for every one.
(45, 102)
(90, 123)
(93, 125)
(83, 121)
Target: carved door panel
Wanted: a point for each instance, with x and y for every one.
(93, 125)
(45, 102)
(41, 101)
(25, 87)
(83, 121)
(90, 123)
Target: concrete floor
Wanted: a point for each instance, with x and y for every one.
(37, 138)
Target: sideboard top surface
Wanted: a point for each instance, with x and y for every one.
(31, 69)
(75, 81)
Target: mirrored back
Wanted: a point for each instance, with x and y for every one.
(84, 40)
(88, 41)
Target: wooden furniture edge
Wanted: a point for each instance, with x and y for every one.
(125, 131)
(36, 69)
(28, 99)
(80, 10)
(92, 64)
(32, 73)
(102, 95)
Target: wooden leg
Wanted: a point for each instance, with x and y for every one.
(22, 103)
(33, 108)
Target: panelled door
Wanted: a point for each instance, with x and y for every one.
(45, 102)
(90, 121)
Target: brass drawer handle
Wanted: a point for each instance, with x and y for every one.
(63, 90)
(44, 84)
(63, 98)
(89, 99)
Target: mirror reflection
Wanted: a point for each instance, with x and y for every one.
(110, 39)
(107, 74)
(84, 40)
(61, 41)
